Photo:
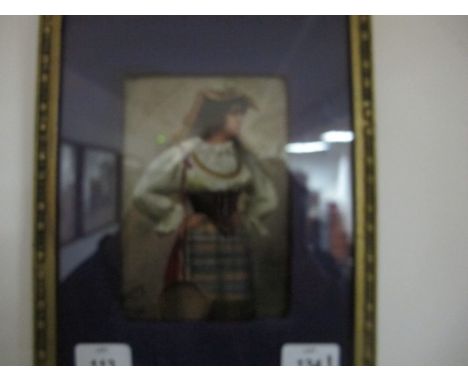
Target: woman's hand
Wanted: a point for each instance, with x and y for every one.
(192, 221)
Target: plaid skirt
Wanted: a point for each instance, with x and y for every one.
(219, 264)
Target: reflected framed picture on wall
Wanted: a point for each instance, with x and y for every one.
(68, 193)
(216, 195)
(99, 189)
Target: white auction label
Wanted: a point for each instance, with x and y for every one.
(310, 354)
(105, 354)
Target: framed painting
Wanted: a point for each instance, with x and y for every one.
(205, 191)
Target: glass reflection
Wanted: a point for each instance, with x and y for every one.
(325, 170)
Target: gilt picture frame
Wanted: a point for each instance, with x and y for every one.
(289, 209)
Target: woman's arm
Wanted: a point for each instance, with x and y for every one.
(263, 198)
(157, 193)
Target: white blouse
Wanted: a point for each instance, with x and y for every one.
(209, 167)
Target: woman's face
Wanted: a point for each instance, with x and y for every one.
(233, 121)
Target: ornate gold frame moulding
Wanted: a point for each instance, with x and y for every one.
(45, 219)
(365, 192)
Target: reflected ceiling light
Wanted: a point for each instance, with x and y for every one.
(306, 147)
(335, 136)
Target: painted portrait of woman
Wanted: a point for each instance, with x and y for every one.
(211, 191)
(207, 201)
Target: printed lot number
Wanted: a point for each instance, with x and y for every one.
(312, 354)
(103, 355)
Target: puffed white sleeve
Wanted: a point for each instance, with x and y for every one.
(157, 193)
(263, 198)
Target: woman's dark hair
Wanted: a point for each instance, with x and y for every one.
(213, 113)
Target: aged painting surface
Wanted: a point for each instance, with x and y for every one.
(205, 199)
